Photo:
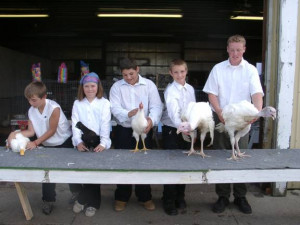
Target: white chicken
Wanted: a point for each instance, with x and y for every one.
(139, 124)
(197, 115)
(237, 117)
(19, 143)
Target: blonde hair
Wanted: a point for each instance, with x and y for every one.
(37, 88)
(81, 95)
(177, 62)
(236, 38)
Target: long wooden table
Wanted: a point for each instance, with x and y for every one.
(116, 166)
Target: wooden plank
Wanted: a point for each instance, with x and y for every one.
(153, 167)
(24, 201)
(151, 177)
(279, 189)
(152, 160)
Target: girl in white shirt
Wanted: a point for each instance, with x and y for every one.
(93, 111)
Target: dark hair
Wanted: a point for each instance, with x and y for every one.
(37, 88)
(81, 95)
(177, 62)
(128, 63)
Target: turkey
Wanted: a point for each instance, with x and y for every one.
(90, 138)
(197, 115)
(139, 124)
(19, 143)
(237, 117)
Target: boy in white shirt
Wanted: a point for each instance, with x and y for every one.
(177, 96)
(51, 127)
(232, 81)
(125, 97)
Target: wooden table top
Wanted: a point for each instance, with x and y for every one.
(152, 160)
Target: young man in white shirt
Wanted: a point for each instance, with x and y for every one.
(177, 96)
(232, 81)
(125, 97)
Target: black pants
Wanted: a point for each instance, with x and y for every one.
(90, 195)
(171, 140)
(48, 189)
(123, 139)
(222, 141)
(76, 188)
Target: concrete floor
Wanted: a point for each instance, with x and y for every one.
(266, 209)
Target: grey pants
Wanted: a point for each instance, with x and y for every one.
(222, 141)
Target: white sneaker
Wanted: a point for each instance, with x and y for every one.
(90, 211)
(77, 208)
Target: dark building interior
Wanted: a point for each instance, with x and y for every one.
(73, 32)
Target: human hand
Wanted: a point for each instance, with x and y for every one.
(31, 145)
(220, 116)
(149, 125)
(252, 121)
(99, 148)
(132, 112)
(81, 147)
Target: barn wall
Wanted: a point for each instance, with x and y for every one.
(295, 140)
(15, 70)
(286, 71)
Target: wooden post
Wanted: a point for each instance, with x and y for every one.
(279, 189)
(24, 201)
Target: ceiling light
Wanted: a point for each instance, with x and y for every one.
(141, 35)
(148, 15)
(246, 18)
(22, 15)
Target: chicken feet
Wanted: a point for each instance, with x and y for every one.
(136, 146)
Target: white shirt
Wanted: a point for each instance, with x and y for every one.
(177, 98)
(40, 122)
(125, 97)
(94, 115)
(233, 84)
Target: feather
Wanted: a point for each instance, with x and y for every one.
(19, 142)
(238, 118)
(89, 137)
(197, 116)
(139, 123)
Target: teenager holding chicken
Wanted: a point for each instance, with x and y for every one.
(92, 111)
(232, 81)
(125, 97)
(177, 96)
(51, 127)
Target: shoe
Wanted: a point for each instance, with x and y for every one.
(74, 197)
(120, 206)
(180, 204)
(77, 207)
(90, 211)
(47, 207)
(149, 205)
(220, 205)
(243, 205)
(170, 208)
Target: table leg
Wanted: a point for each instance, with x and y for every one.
(24, 200)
